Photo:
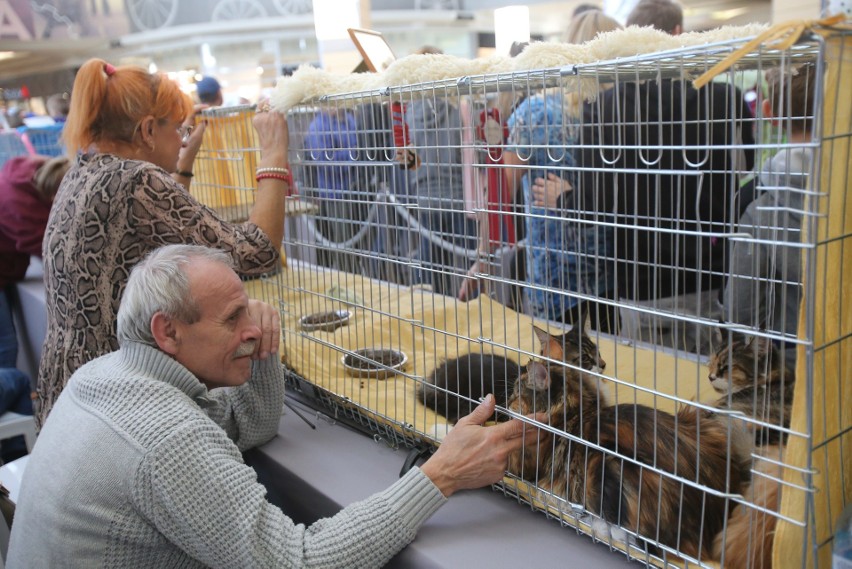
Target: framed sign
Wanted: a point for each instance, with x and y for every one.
(373, 47)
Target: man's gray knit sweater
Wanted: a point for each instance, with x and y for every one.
(139, 465)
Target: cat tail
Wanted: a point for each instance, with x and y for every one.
(751, 532)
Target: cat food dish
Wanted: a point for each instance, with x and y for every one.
(377, 364)
(324, 321)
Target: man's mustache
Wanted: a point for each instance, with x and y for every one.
(245, 349)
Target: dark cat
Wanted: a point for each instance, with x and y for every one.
(472, 376)
(759, 383)
(629, 489)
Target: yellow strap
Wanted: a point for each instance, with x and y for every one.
(780, 36)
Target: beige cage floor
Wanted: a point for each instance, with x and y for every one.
(430, 328)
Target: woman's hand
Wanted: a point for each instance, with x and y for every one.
(546, 192)
(197, 137)
(273, 135)
(189, 149)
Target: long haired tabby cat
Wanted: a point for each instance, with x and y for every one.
(455, 387)
(631, 491)
(754, 379)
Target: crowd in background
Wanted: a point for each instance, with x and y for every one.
(623, 237)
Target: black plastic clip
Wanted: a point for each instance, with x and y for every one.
(412, 457)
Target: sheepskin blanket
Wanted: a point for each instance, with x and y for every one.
(309, 83)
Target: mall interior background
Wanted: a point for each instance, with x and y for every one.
(247, 44)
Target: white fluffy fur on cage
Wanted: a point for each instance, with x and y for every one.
(309, 83)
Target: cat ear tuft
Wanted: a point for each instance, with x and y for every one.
(538, 376)
(543, 336)
(551, 347)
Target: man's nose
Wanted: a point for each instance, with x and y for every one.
(252, 332)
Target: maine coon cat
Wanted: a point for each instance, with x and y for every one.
(471, 377)
(635, 489)
(754, 380)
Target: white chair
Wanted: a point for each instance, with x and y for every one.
(11, 475)
(14, 424)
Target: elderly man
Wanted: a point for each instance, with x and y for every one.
(140, 465)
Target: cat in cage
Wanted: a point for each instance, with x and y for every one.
(455, 387)
(755, 375)
(753, 378)
(628, 472)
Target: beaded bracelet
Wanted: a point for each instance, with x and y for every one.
(273, 169)
(274, 175)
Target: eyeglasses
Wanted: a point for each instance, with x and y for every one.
(185, 131)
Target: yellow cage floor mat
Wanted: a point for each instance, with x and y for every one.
(429, 328)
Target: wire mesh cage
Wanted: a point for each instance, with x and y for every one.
(657, 268)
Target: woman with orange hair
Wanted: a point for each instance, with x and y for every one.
(124, 197)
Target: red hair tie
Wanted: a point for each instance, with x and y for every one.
(109, 69)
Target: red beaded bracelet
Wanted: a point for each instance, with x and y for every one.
(274, 175)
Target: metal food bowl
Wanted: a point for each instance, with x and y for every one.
(374, 363)
(325, 321)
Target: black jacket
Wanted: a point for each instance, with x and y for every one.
(667, 174)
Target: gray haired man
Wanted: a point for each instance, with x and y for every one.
(140, 465)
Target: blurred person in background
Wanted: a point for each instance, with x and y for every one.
(330, 147)
(57, 106)
(765, 285)
(436, 183)
(561, 255)
(127, 194)
(584, 8)
(667, 210)
(27, 187)
(209, 92)
(663, 15)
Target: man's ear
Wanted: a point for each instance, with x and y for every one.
(165, 333)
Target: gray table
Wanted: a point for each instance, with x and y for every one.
(312, 474)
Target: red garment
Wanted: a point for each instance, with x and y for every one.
(23, 218)
(494, 132)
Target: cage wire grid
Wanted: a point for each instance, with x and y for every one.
(406, 195)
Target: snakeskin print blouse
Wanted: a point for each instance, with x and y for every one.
(108, 214)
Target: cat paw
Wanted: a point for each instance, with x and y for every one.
(440, 431)
(606, 532)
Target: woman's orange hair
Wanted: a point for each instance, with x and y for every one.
(108, 103)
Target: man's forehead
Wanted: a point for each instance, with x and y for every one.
(215, 283)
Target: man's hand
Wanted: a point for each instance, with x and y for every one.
(472, 456)
(269, 322)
